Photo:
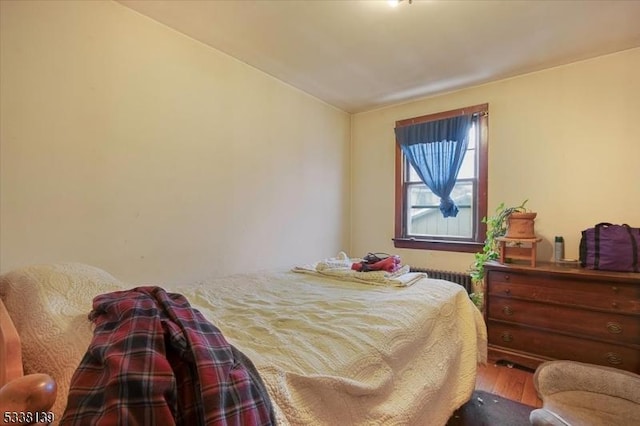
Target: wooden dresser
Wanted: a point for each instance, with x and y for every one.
(562, 312)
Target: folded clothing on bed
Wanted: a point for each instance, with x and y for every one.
(373, 262)
(341, 267)
(155, 360)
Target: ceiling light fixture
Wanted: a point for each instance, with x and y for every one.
(395, 3)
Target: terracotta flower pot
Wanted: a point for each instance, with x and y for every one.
(521, 225)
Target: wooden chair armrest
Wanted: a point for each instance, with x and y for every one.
(28, 394)
(10, 349)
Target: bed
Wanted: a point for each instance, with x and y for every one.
(329, 350)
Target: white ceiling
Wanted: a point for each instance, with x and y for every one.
(360, 55)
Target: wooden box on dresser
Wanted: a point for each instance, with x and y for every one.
(550, 311)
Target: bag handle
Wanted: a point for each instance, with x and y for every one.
(596, 240)
(611, 224)
(603, 224)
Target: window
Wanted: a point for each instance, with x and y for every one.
(419, 222)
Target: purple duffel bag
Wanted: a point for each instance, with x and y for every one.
(611, 248)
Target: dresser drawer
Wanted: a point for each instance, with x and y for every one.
(598, 325)
(557, 346)
(613, 297)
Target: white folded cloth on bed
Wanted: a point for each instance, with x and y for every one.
(340, 267)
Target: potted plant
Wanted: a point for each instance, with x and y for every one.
(497, 226)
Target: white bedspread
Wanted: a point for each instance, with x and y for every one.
(330, 352)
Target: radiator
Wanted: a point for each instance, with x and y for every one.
(461, 278)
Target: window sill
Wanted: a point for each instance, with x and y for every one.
(443, 245)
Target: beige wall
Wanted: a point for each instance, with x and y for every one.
(121, 143)
(129, 146)
(567, 139)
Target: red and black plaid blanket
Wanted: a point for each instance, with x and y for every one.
(154, 360)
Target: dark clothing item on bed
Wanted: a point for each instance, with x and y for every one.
(154, 360)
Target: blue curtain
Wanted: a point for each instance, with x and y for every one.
(436, 149)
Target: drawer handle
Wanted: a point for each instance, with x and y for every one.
(614, 305)
(613, 358)
(508, 291)
(506, 336)
(614, 327)
(507, 277)
(615, 289)
(508, 311)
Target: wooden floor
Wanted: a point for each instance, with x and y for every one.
(508, 382)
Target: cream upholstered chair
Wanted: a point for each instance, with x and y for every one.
(580, 394)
